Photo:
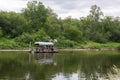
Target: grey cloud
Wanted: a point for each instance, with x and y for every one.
(70, 4)
(68, 7)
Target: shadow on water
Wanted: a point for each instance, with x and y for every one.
(45, 58)
(66, 65)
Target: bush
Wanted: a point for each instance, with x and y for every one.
(64, 43)
(40, 36)
(25, 38)
(8, 44)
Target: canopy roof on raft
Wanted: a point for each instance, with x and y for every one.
(43, 43)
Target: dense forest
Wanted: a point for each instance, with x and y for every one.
(38, 23)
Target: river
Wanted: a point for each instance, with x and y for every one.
(65, 65)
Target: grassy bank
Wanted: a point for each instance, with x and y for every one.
(94, 45)
(12, 44)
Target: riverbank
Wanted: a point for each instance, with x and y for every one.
(94, 46)
(108, 45)
(12, 50)
(27, 50)
(103, 49)
(77, 47)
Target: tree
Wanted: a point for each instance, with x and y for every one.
(1, 33)
(71, 29)
(36, 13)
(112, 26)
(73, 34)
(93, 24)
(52, 25)
(95, 13)
(12, 24)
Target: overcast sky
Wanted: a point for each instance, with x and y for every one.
(65, 8)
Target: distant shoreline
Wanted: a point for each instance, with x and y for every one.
(7, 50)
(88, 49)
(17, 50)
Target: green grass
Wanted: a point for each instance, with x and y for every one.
(95, 45)
(12, 44)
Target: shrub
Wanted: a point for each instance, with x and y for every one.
(8, 44)
(25, 38)
(65, 43)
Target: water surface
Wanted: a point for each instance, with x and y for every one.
(66, 65)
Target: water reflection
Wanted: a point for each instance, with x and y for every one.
(28, 76)
(92, 65)
(44, 58)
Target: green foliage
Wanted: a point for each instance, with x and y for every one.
(12, 24)
(65, 43)
(1, 33)
(95, 13)
(52, 26)
(41, 36)
(73, 34)
(36, 14)
(38, 23)
(8, 44)
(25, 38)
(95, 45)
(92, 25)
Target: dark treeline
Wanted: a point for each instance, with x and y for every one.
(38, 23)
